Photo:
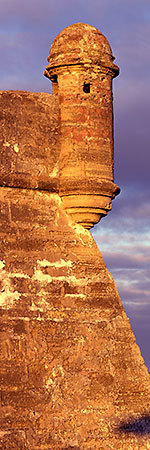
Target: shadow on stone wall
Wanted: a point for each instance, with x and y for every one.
(140, 426)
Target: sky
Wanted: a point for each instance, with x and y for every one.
(27, 30)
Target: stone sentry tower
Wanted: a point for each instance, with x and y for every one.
(81, 69)
(72, 376)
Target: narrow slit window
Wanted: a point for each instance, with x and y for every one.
(55, 85)
(55, 78)
(86, 88)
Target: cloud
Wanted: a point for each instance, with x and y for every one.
(49, 18)
(49, 15)
(124, 241)
(130, 261)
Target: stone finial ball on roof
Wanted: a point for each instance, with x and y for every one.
(81, 44)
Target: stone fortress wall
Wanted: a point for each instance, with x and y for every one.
(72, 376)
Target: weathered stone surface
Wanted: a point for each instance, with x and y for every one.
(72, 376)
(71, 371)
(29, 144)
(81, 65)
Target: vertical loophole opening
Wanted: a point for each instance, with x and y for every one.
(55, 85)
(86, 88)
